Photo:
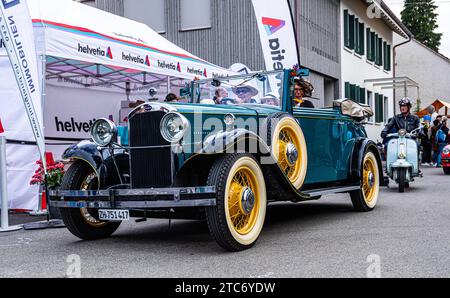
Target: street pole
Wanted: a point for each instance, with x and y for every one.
(4, 191)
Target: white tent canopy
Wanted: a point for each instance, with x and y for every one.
(112, 49)
(88, 58)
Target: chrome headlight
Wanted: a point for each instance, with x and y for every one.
(173, 127)
(103, 132)
(402, 132)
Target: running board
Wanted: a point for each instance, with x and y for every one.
(330, 190)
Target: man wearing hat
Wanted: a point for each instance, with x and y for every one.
(245, 94)
(302, 89)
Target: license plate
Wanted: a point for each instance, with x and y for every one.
(113, 215)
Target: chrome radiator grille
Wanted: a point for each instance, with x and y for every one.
(149, 167)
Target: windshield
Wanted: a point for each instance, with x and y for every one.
(261, 89)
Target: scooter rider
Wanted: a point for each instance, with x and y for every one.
(405, 120)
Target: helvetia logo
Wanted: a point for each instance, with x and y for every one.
(135, 59)
(272, 25)
(10, 3)
(86, 49)
(197, 72)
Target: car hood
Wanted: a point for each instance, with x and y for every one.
(248, 110)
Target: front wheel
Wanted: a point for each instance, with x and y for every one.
(238, 218)
(84, 223)
(401, 180)
(365, 199)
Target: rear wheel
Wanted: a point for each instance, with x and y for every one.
(401, 180)
(84, 222)
(288, 147)
(238, 218)
(366, 198)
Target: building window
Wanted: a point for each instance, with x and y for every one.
(370, 103)
(370, 45)
(346, 29)
(195, 14)
(387, 57)
(359, 28)
(355, 93)
(378, 51)
(151, 13)
(379, 108)
(386, 109)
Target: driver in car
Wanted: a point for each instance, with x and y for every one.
(405, 120)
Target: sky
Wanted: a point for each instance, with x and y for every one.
(443, 20)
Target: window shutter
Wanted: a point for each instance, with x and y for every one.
(352, 92)
(372, 46)
(346, 29)
(351, 25)
(362, 96)
(361, 39)
(347, 90)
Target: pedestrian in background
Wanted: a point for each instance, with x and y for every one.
(425, 141)
(441, 140)
(436, 125)
(432, 113)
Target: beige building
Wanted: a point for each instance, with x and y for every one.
(428, 68)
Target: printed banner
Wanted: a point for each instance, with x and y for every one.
(277, 34)
(16, 31)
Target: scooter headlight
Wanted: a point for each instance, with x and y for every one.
(103, 132)
(402, 132)
(402, 151)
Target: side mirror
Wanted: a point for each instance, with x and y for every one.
(303, 72)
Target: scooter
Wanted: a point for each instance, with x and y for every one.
(402, 158)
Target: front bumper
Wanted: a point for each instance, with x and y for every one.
(152, 198)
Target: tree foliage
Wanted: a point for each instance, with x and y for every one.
(420, 17)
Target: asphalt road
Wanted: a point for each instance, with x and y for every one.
(408, 235)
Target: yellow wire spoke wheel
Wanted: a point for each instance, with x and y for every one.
(243, 200)
(238, 217)
(88, 184)
(370, 185)
(289, 150)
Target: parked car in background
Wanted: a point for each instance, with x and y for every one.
(219, 162)
(446, 159)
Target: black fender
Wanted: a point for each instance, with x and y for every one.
(361, 147)
(240, 140)
(101, 161)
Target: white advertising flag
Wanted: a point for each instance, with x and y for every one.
(277, 33)
(16, 31)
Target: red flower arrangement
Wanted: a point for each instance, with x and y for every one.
(55, 173)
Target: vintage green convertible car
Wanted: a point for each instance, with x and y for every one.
(237, 145)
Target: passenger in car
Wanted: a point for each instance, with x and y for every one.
(245, 94)
(303, 89)
(220, 95)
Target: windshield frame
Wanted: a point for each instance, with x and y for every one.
(195, 96)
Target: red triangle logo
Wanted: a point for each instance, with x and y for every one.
(272, 25)
(147, 61)
(205, 74)
(1, 127)
(109, 54)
